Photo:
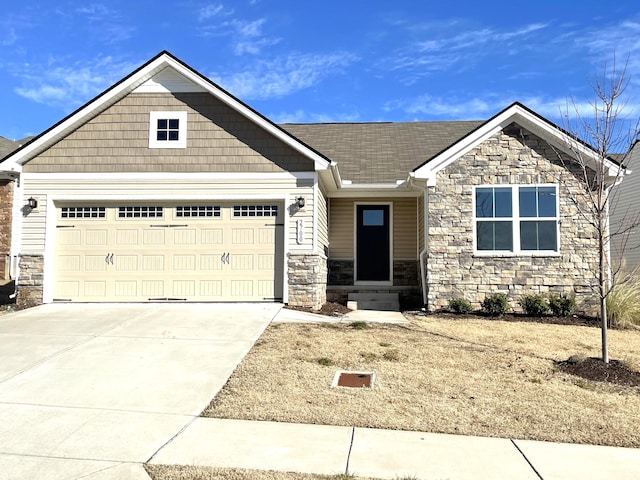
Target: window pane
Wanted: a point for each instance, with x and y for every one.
(494, 236)
(484, 202)
(373, 217)
(162, 135)
(484, 232)
(546, 202)
(528, 202)
(173, 135)
(547, 236)
(503, 236)
(173, 123)
(502, 202)
(162, 124)
(528, 236)
(538, 236)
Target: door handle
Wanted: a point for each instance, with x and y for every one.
(222, 258)
(106, 259)
(225, 258)
(228, 258)
(111, 259)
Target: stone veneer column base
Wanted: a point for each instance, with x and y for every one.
(307, 280)
(30, 281)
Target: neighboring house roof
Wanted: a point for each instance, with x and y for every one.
(378, 153)
(7, 146)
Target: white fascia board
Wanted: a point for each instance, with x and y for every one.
(142, 176)
(521, 116)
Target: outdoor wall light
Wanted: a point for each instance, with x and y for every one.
(300, 202)
(32, 203)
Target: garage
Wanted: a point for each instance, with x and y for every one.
(169, 252)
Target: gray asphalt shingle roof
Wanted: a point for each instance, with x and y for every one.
(380, 152)
(7, 146)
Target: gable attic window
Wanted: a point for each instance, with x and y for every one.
(520, 220)
(167, 129)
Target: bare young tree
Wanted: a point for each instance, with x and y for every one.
(600, 139)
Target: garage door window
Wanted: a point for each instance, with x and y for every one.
(255, 210)
(140, 212)
(82, 212)
(198, 211)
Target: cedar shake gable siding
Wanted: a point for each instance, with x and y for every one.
(218, 140)
(454, 270)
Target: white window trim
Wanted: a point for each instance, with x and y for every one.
(515, 220)
(182, 132)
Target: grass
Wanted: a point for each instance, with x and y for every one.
(178, 472)
(473, 377)
(623, 303)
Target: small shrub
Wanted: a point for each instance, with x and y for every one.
(391, 355)
(460, 305)
(359, 325)
(495, 304)
(623, 304)
(534, 304)
(325, 361)
(368, 356)
(562, 305)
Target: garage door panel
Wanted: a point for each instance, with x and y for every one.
(153, 288)
(211, 236)
(95, 263)
(204, 254)
(154, 263)
(154, 237)
(210, 262)
(126, 237)
(95, 289)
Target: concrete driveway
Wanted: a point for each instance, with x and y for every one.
(92, 391)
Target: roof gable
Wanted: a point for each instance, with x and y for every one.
(162, 73)
(523, 116)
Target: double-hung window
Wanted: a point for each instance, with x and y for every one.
(516, 219)
(167, 129)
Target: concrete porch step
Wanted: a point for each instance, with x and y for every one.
(374, 301)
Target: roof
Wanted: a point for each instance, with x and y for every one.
(7, 146)
(380, 152)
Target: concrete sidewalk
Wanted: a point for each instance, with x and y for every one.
(390, 454)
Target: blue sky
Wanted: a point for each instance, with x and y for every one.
(330, 61)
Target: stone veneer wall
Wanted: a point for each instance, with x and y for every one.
(31, 281)
(307, 280)
(6, 205)
(513, 156)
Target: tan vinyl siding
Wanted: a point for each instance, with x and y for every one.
(219, 139)
(164, 192)
(404, 229)
(341, 227)
(341, 222)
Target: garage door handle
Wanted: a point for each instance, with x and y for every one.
(228, 258)
(109, 258)
(225, 258)
(106, 259)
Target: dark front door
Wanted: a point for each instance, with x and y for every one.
(372, 243)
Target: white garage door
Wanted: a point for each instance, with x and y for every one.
(191, 252)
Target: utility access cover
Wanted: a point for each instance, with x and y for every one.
(353, 379)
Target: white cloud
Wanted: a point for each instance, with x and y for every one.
(106, 23)
(284, 75)
(68, 87)
(213, 10)
(8, 38)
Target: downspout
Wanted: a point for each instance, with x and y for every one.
(13, 264)
(425, 250)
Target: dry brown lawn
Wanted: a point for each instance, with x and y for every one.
(464, 376)
(176, 472)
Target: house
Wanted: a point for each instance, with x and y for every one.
(167, 187)
(6, 201)
(625, 216)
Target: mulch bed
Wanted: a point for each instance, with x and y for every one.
(330, 308)
(578, 320)
(596, 370)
